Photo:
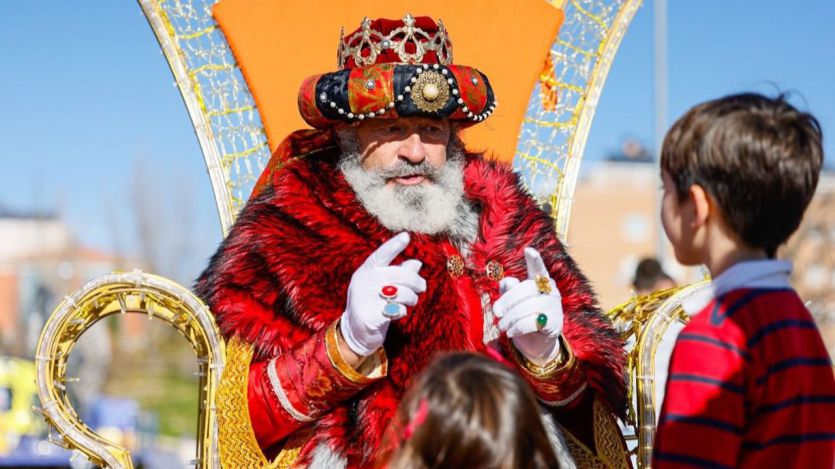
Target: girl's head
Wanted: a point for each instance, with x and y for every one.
(467, 410)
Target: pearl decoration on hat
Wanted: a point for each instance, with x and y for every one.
(429, 92)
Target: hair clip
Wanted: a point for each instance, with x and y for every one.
(417, 419)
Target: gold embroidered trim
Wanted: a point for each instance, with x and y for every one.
(607, 438)
(583, 457)
(238, 446)
(278, 389)
(554, 367)
(377, 362)
(567, 400)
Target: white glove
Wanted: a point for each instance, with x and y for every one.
(519, 309)
(363, 323)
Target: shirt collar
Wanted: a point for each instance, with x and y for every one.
(766, 273)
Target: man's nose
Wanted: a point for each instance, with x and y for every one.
(412, 149)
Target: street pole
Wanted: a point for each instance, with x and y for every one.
(660, 98)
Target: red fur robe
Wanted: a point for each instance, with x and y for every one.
(282, 275)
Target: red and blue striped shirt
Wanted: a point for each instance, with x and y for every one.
(750, 382)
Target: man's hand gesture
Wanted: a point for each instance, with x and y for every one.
(379, 293)
(530, 311)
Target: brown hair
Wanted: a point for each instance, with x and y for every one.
(648, 273)
(471, 412)
(758, 157)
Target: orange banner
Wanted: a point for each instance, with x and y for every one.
(280, 43)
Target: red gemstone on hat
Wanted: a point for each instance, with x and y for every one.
(389, 291)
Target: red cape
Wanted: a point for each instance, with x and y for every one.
(283, 273)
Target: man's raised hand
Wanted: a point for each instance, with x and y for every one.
(530, 311)
(379, 293)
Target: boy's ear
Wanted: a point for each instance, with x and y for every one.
(701, 205)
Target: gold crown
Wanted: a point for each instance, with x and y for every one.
(375, 42)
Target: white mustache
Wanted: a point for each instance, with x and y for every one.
(404, 169)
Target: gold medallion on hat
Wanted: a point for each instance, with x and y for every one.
(430, 92)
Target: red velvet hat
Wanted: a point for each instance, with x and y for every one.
(396, 68)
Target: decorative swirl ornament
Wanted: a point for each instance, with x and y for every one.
(430, 91)
(122, 293)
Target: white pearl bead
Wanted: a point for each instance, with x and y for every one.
(430, 91)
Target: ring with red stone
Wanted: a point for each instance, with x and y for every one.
(388, 292)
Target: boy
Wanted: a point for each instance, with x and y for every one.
(751, 383)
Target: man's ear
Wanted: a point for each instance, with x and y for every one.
(701, 205)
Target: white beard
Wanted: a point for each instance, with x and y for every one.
(434, 207)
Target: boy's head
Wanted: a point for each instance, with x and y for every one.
(650, 277)
(750, 162)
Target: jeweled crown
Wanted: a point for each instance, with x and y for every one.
(404, 42)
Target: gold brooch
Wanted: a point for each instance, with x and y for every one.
(430, 91)
(543, 284)
(494, 271)
(455, 266)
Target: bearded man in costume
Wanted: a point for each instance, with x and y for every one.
(376, 240)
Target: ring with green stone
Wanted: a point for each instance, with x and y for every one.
(541, 321)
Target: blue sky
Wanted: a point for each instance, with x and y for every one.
(86, 99)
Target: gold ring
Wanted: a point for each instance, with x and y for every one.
(543, 284)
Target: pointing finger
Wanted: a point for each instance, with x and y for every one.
(535, 264)
(388, 250)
